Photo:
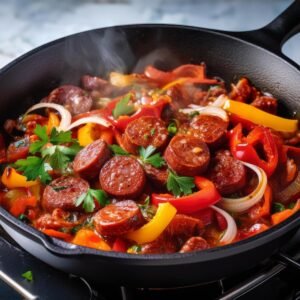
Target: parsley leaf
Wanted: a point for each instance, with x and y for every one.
(117, 150)
(146, 156)
(60, 137)
(180, 184)
(172, 128)
(33, 167)
(87, 199)
(41, 132)
(58, 160)
(148, 210)
(28, 275)
(123, 108)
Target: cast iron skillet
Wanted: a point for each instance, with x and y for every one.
(256, 54)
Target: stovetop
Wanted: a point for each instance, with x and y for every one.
(278, 278)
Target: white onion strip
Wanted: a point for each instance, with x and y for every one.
(91, 119)
(231, 230)
(66, 117)
(243, 203)
(206, 110)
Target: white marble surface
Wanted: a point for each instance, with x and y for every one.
(26, 24)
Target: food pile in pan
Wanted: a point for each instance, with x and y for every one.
(158, 162)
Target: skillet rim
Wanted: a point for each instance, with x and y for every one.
(61, 248)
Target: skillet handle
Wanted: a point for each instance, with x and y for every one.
(276, 33)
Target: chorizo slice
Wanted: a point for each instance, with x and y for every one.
(163, 244)
(63, 192)
(73, 98)
(157, 176)
(90, 159)
(227, 173)
(210, 130)
(187, 155)
(145, 131)
(122, 177)
(194, 243)
(266, 103)
(119, 218)
(18, 150)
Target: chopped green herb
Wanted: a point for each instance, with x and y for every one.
(148, 210)
(28, 275)
(117, 150)
(172, 128)
(180, 184)
(24, 218)
(135, 249)
(146, 136)
(146, 156)
(122, 108)
(59, 188)
(278, 207)
(20, 143)
(291, 205)
(194, 114)
(87, 199)
(33, 167)
(152, 131)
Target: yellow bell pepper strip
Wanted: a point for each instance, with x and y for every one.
(85, 134)
(260, 117)
(12, 179)
(53, 121)
(87, 238)
(282, 215)
(152, 230)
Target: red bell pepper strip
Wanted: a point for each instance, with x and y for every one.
(119, 245)
(243, 148)
(206, 196)
(20, 204)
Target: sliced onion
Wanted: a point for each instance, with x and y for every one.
(207, 110)
(243, 203)
(66, 117)
(91, 119)
(231, 229)
(220, 101)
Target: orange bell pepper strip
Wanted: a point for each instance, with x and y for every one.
(19, 205)
(12, 179)
(53, 121)
(87, 238)
(283, 215)
(58, 234)
(91, 132)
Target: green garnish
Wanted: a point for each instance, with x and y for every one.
(172, 128)
(23, 218)
(88, 199)
(135, 248)
(33, 167)
(28, 275)
(56, 157)
(278, 207)
(180, 184)
(291, 205)
(148, 210)
(117, 150)
(146, 156)
(194, 114)
(122, 108)
(59, 188)
(152, 131)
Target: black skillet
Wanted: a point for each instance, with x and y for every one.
(255, 54)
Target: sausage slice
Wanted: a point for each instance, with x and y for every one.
(193, 244)
(227, 173)
(187, 155)
(210, 130)
(73, 98)
(145, 131)
(157, 176)
(90, 159)
(119, 218)
(63, 192)
(122, 177)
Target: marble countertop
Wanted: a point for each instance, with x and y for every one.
(26, 24)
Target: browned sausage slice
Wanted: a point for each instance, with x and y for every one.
(119, 218)
(122, 177)
(145, 131)
(227, 173)
(90, 159)
(187, 155)
(73, 98)
(163, 244)
(193, 244)
(158, 176)
(63, 192)
(210, 130)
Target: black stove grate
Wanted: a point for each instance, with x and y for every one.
(278, 278)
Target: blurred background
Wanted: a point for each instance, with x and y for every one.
(26, 24)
